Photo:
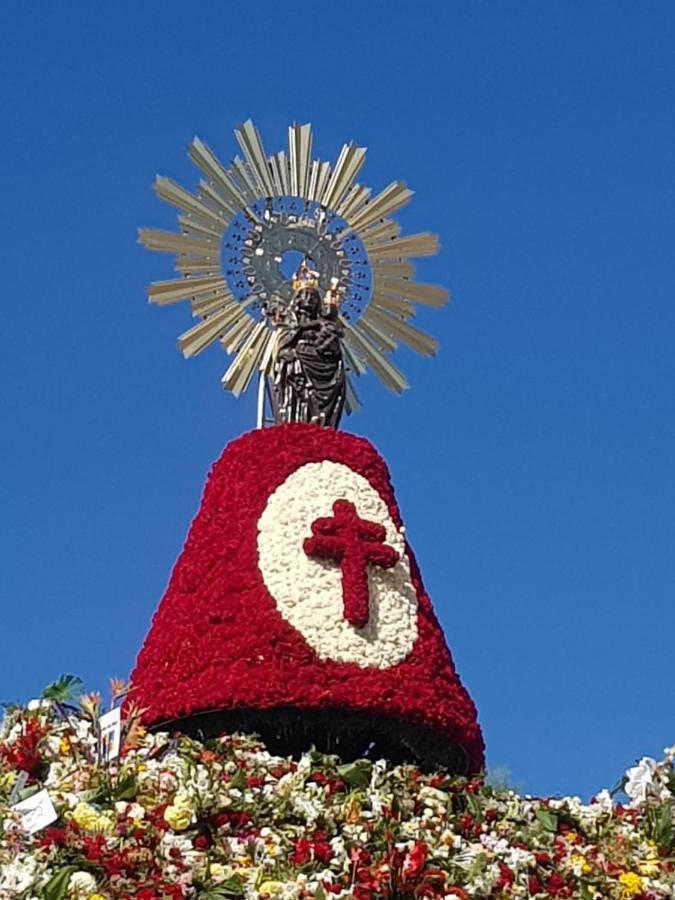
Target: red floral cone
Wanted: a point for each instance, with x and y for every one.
(296, 609)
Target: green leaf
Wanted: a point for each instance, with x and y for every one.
(64, 689)
(547, 819)
(586, 892)
(229, 888)
(357, 773)
(474, 805)
(239, 780)
(56, 887)
(126, 788)
(663, 830)
(319, 893)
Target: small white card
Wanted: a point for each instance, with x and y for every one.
(36, 812)
(110, 727)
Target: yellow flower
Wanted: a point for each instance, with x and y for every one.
(580, 865)
(64, 746)
(8, 780)
(631, 884)
(178, 816)
(219, 872)
(91, 820)
(86, 816)
(96, 897)
(649, 865)
(270, 888)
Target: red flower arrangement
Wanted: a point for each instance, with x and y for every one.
(252, 620)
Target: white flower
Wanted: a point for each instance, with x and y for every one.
(81, 884)
(18, 876)
(642, 783)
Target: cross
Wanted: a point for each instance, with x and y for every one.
(354, 543)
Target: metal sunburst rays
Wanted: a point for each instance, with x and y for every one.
(234, 229)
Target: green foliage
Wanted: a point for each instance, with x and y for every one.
(64, 690)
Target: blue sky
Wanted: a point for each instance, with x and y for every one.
(533, 458)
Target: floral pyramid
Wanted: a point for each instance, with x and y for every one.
(296, 610)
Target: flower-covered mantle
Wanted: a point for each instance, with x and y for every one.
(297, 591)
(177, 818)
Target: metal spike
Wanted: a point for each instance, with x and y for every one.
(163, 292)
(396, 305)
(300, 154)
(354, 363)
(429, 294)
(185, 265)
(282, 160)
(319, 177)
(206, 160)
(415, 339)
(268, 358)
(241, 369)
(390, 376)
(424, 244)
(386, 269)
(190, 224)
(384, 342)
(169, 242)
(353, 201)
(246, 179)
(199, 337)
(349, 162)
(352, 402)
(214, 199)
(238, 332)
(173, 193)
(251, 145)
(393, 197)
(382, 231)
(220, 300)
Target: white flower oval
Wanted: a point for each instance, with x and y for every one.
(308, 592)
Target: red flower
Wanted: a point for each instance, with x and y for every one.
(413, 862)
(506, 877)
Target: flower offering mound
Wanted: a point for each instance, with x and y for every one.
(296, 610)
(172, 817)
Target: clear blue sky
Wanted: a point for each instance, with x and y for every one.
(533, 459)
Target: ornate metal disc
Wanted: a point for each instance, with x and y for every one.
(237, 228)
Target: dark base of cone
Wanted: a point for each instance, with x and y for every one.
(348, 734)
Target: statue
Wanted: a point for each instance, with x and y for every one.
(308, 381)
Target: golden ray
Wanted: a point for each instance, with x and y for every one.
(412, 245)
(382, 341)
(190, 224)
(197, 338)
(388, 268)
(173, 193)
(393, 325)
(397, 305)
(241, 370)
(189, 266)
(183, 288)
(349, 162)
(353, 200)
(251, 145)
(170, 242)
(387, 372)
(238, 332)
(300, 155)
(210, 165)
(218, 301)
(393, 197)
(428, 294)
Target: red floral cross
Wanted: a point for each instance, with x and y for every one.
(354, 543)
